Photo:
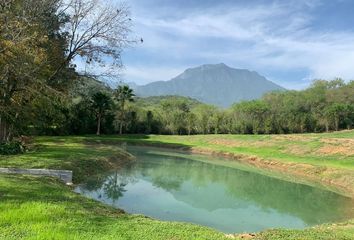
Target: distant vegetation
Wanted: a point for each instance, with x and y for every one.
(325, 106)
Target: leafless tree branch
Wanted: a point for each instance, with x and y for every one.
(97, 30)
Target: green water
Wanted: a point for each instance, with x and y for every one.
(176, 187)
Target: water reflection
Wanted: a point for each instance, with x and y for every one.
(232, 200)
(114, 188)
(109, 187)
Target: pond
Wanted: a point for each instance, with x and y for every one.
(174, 186)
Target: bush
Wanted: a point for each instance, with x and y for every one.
(11, 148)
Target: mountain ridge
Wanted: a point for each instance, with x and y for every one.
(216, 84)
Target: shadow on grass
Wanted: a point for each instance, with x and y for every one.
(135, 140)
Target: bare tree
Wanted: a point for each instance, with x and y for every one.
(97, 31)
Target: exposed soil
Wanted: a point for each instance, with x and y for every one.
(293, 138)
(298, 150)
(335, 146)
(340, 180)
(237, 143)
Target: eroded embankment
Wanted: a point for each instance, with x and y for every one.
(338, 180)
(334, 179)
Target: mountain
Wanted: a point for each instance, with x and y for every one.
(216, 84)
(132, 85)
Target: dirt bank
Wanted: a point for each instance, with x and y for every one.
(334, 179)
(338, 180)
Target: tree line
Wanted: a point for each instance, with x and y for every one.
(324, 106)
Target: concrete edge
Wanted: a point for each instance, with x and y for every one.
(64, 175)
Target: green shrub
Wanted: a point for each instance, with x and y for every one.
(11, 148)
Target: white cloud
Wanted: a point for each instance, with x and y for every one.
(144, 74)
(276, 36)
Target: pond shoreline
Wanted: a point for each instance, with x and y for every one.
(193, 180)
(325, 176)
(59, 151)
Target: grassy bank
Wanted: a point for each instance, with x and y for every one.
(43, 208)
(70, 154)
(325, 149)
(326, 158)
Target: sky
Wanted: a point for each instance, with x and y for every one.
(290, 42)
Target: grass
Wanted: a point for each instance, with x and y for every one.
(343, 231)
(334, 150)
(43, 208)
(70, 153)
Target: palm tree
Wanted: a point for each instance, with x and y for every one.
(123, 94)
(101, 103)
(114, 188)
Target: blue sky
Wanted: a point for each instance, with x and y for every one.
(290, 42)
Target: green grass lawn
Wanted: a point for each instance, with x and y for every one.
(43, 208)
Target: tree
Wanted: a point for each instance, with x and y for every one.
(204, 121)
(24, 57)
(174, 112)
(217, 120)
(190, 122)
(149, 121)
(123, 94)
(101, 104)
(39, 39)
(96, 31)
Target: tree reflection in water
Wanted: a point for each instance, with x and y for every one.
(114, 187)
(111, 186)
